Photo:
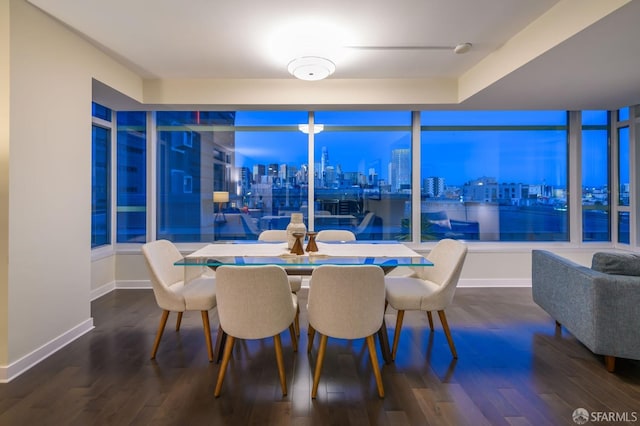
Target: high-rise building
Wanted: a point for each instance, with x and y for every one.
(434, 186)
(400, 169)
(245, 179)
(324, 160)
(258, 172)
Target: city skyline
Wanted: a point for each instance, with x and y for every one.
(457, 153)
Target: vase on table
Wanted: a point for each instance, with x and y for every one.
(295, 226)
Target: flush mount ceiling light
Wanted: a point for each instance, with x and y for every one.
(311, 68)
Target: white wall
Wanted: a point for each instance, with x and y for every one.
(47, 289)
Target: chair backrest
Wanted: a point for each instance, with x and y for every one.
(254, 302)
(273, 235)
(346, 302)
(160, 257)
(448, 258)
(364, 224)
(335, 235)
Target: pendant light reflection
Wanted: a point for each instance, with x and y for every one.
(317, 128)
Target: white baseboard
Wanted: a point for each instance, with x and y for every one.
(13, 370)
(470, 282)
(491, 282)
(133, 284)
(102, 290)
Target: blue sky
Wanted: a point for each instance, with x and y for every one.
(527, 156)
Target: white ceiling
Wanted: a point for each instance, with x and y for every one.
(599, 67)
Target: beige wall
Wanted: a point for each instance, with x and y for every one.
(4, 179)
(273, 92)
(47, 286)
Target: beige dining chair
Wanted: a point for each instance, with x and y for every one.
(254, 302)
(335, 235)
(275, 236)
(295, 281)
(429, 288)
(346, 302)
(171, 292)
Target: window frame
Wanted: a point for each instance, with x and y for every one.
(106, 250)
(575, 238)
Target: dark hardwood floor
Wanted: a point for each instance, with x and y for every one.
(513, 369)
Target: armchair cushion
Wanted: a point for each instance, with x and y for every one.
(616, 263)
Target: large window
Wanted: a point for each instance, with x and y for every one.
(494, 176)
(363, 172)
(484, 175)
(595, 176)
(131, 177)
(100, 176)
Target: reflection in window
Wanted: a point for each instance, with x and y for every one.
(257, 160)
(188, 171)
(100, 186)
(595, 172)
(362, 179)
(494, 175)
(131, 177)
(624, 234)
(623, 166)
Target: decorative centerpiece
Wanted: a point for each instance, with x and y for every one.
(295, 226)
(311, 245)
(297, 246)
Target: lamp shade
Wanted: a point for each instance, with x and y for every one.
(220, 196)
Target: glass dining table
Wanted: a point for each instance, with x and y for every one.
(387, 255)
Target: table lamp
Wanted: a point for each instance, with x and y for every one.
(220, 197)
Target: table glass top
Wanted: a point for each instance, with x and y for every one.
(342, 253)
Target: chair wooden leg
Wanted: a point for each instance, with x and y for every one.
(374, 364)
(220, 340)
(163, 322)
(223, 367)
(280, 361)
(297, 321)
(447, 332)
(179, 321)
(207, 333)
(294, 339)
(396, 335)
(319, 361)
(312, 334)
(610, 363)
(430, 318)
